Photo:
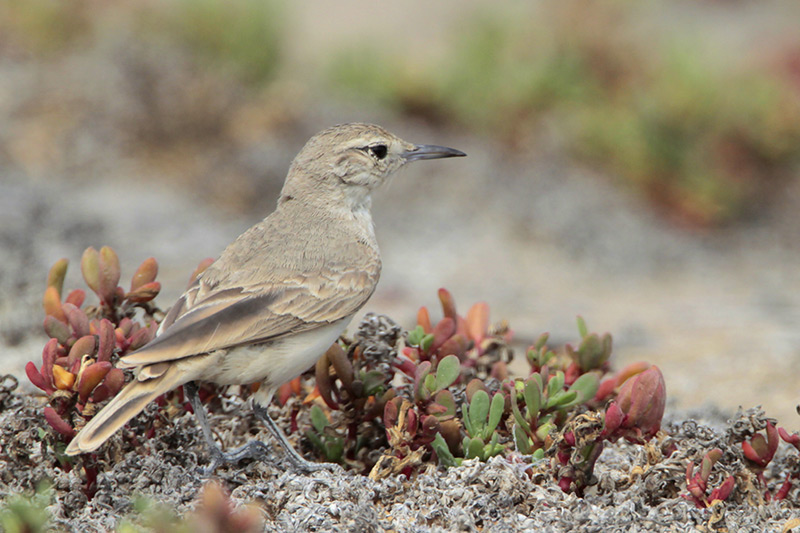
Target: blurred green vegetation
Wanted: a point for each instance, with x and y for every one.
(707, 136)
(243, 35)
(703, 137)
(27, 512)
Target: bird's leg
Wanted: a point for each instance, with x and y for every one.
(297, 460)
(254, 449)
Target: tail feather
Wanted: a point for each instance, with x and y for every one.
(130, 401)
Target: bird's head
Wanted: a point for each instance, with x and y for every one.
(354, 159)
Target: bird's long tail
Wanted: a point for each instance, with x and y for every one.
(152, 381)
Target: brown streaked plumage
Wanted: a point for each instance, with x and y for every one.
(279, 295)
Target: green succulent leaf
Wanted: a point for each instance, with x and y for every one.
(427, 342)
(415, 336)
(495, 413)
(493, 448)
(373, 382)
(586, 386)
(518, 418)
(447, 372)
(538, 455)
(318, 419)
(555, 385)
(446, 458)
(544, 430)
(446, 399)
(474, 448)
(582, 329)
(562, 399)
(532, 393)
(521, 440)
(478, 411)
(430, 384)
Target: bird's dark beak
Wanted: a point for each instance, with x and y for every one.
(431, 151)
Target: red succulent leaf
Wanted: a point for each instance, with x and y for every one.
(605, 389)
(77, 319)
(36, 378)
(110, 386)
(90, 377)
(144, 293)
(109, 275)
(441, 332)
(57, 423)
(455, 345)
(76, 297)
(722, 492)
(642, 398)
(83, 346)
(760, 450)
(49, 355)
(613, 419)
(106, 340)
(793, 439)
(284, 393)
(56, 329)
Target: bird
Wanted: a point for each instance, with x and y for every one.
(277, 297)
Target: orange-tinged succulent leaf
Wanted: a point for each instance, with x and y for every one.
(90, 377)
(52, 304)
(90, 268)
(146, 273)
(77, 319)
(631, 370)
(448, 304)
(284, 393)
(144, 293)
(76, 297)
(424, 319)
(55, 278)
(63, 379)
(109, 274)
(297, 385)
(478, 321)
(201, 267)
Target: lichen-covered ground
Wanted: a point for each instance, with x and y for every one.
(636, 488)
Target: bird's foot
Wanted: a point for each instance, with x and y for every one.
(254, 449)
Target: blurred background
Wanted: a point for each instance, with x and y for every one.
(633, 163)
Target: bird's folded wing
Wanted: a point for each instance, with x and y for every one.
(210, 318)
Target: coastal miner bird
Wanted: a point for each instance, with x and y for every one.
(276, 298)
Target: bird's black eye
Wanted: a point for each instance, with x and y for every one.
(378, 150)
